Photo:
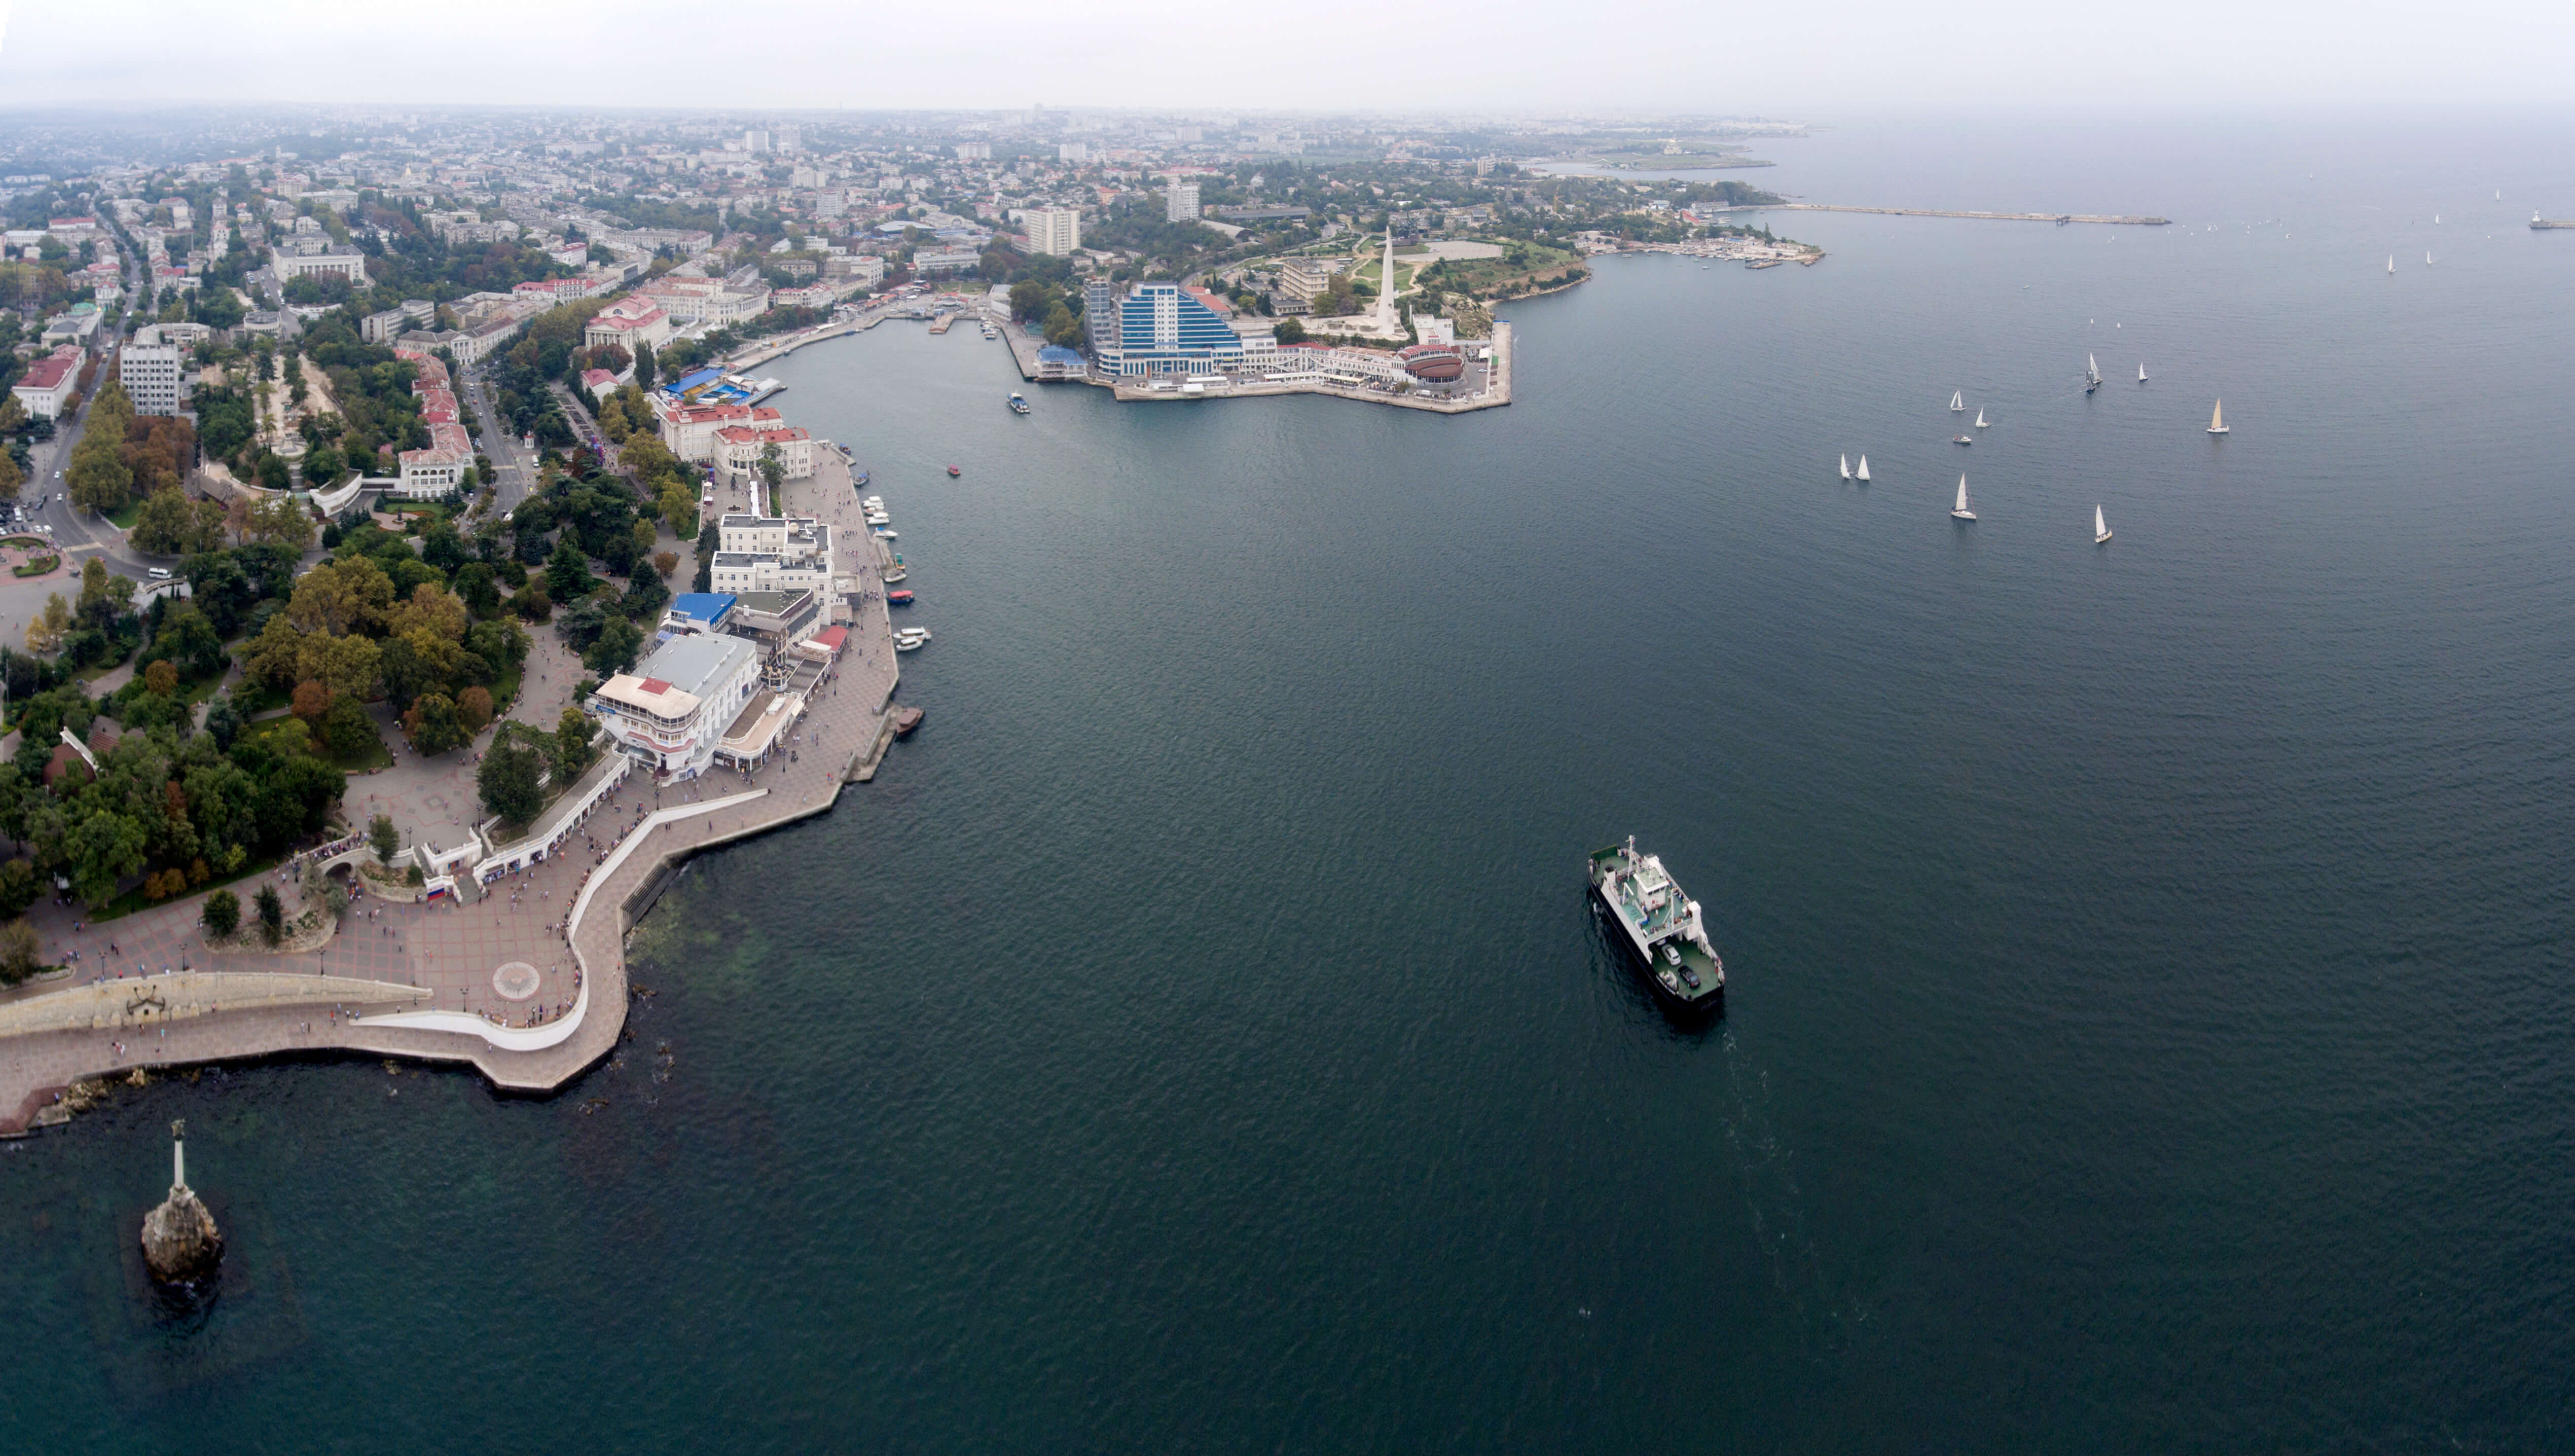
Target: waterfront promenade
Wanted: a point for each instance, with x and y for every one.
(524, 978)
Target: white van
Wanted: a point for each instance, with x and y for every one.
(160, 573)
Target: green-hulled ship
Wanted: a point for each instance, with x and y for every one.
(1661, 924)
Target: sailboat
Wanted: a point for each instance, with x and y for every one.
(2392, 263)
(1845, 467)
(1980, 420)
(2427, 257)
(1863, 468)
(1959, 402)
(2091, 373)
(1960, 509)
(2217, 418)
(2100, 528)
(2141, 371)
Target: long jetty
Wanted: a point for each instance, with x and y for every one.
(2123, 220)
(421, 981)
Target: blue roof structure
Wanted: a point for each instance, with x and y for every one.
(1058, 353)
(688, 382)
(707, 607)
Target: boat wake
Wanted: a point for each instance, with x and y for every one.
(1823, 1311)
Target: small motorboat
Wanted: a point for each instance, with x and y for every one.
(1018, 406)
(904, 721)
(953, 472)
(862, 480)
(910, 639)
(879, 517)
(898, 598)
(1962, 440)
(873, 502)
(883, 534)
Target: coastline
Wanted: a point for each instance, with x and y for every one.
(196, 1018)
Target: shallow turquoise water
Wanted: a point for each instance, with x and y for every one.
(2148, 1010)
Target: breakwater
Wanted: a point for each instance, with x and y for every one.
(2117, 219)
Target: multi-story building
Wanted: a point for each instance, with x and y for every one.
(440, 469)
(1300, 280)
(1054, 230)
(634, 322)
(155, 377)
(738, 449)
(770, 553)
(689, 431)
(1167, 328)
(346, 263)
(1181, 204)
(932, 263)
(49, 382)
(384, 328)
(669, 713)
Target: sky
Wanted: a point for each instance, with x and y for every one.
(1791, 60)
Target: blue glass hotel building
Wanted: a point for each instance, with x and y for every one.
(1164, 329)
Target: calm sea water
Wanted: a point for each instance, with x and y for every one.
(2150, 999)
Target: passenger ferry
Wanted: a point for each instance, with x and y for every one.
(1019, 404)
(1661, 924)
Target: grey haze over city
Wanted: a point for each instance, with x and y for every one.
(1514, 55)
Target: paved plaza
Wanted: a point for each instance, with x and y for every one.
(456, 949)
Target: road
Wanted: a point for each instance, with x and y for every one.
(514, 466)
(79, 532)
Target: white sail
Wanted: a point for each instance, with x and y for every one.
(2141, 371)
(1962, 496)
(1864, 467)
(2217, 418)
(2100, 527)
(2392, 263)
(1845, 467)
(1980, 419)
(1957, 401)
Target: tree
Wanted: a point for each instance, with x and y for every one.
(22, 953)
(571, 751)
(644, 364)
(11, 477)
(383, 839)
(105, 849)
(99, 481)
(161, 678)
(104, 596)
(272, 915)
(310, 700)
(567, 571)
(346, 730)
(222, 912)
(19, 887)
(474, 708)
(680, 510)
(772, 468)
(614, 650)
(1290, 331)
(433, 724)
(666, 562)
(507, 781)
(45, 629)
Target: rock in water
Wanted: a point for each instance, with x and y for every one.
(180, 1242)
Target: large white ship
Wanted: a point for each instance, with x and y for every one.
(1661, 924)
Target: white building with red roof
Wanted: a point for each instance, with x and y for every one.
(689, 431)
(48, 383)
(440, 469)
(738, 449)
(634, 322)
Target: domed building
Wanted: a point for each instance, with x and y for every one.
(1434, 362)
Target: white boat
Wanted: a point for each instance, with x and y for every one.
(2392, 263)
(1980, 420)
(1959, 402)
(1663, 926)
(910, 639)
(2091, 373)
(2100, 527)
(1960, 509)
(1863, 469)
(1845, 467)
(2427, 257)
(883, 535)
(2217, 418)
(2141, 371)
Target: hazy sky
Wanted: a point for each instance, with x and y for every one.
(1787, 59)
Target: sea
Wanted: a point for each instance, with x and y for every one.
(2149, 1019)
